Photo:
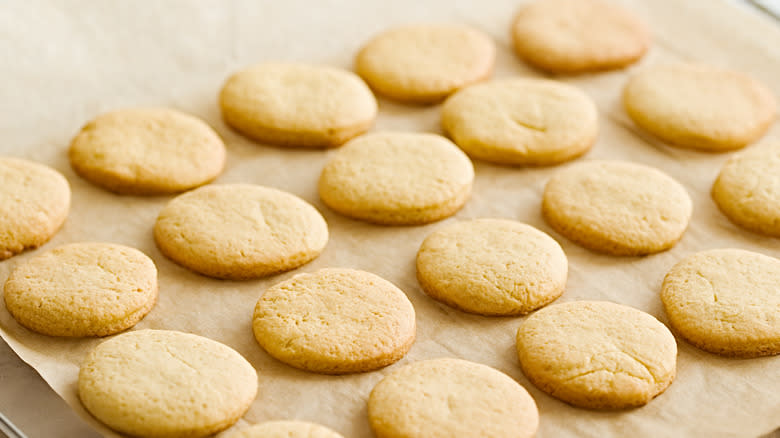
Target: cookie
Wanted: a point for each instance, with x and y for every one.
(35, 200)
(747, 189)
(166, 384)
(492, 267)
(425, 63)
(297, 105)
(726, 301)
(699, 107)
(395, 178)
(240, 231)
(285, 429)
(82, 289)
(147, 151)
(451, 398)
(598, 355)
(616, 207)
(575, 36)
(525, 122)
(335, 321)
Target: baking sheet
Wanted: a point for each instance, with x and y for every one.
(64, 62)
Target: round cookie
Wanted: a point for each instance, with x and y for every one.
(35, 200)
(595, 354)
(285, 429)
(617, 208)
(82, 289)
(166, 384)
(747, 189)
(335, 321)
(726, 301)
(425, 63)
(699, 107)
(147, 151)
(240, 231)
(297, 105)
(451, 398)
(395, 178)
(575, 36)
(492, 267)
(531, 122)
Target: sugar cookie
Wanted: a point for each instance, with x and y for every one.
(335, 321)
(240, 231)
(285, 429)
(521, 121)
(298, 105)
(726, 301)
(616, 207)
(166, 384)
(699, 107)
(492, 267)
(395, 178)
(574, 36)
(425, 63)
(35, 200)
(595, 354)
(451, 398)
(147, 151)
(747, 189)
(82, 289)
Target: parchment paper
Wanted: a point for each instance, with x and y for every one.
(65, 62)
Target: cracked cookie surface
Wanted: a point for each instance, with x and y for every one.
(492, 267)
(447, 397)
(240, 231)
(726, 301)
(166, 384)
(335, 321)
(531, 122)
(82, 289)
(597, 354)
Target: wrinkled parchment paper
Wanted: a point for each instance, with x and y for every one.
(65, 62)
